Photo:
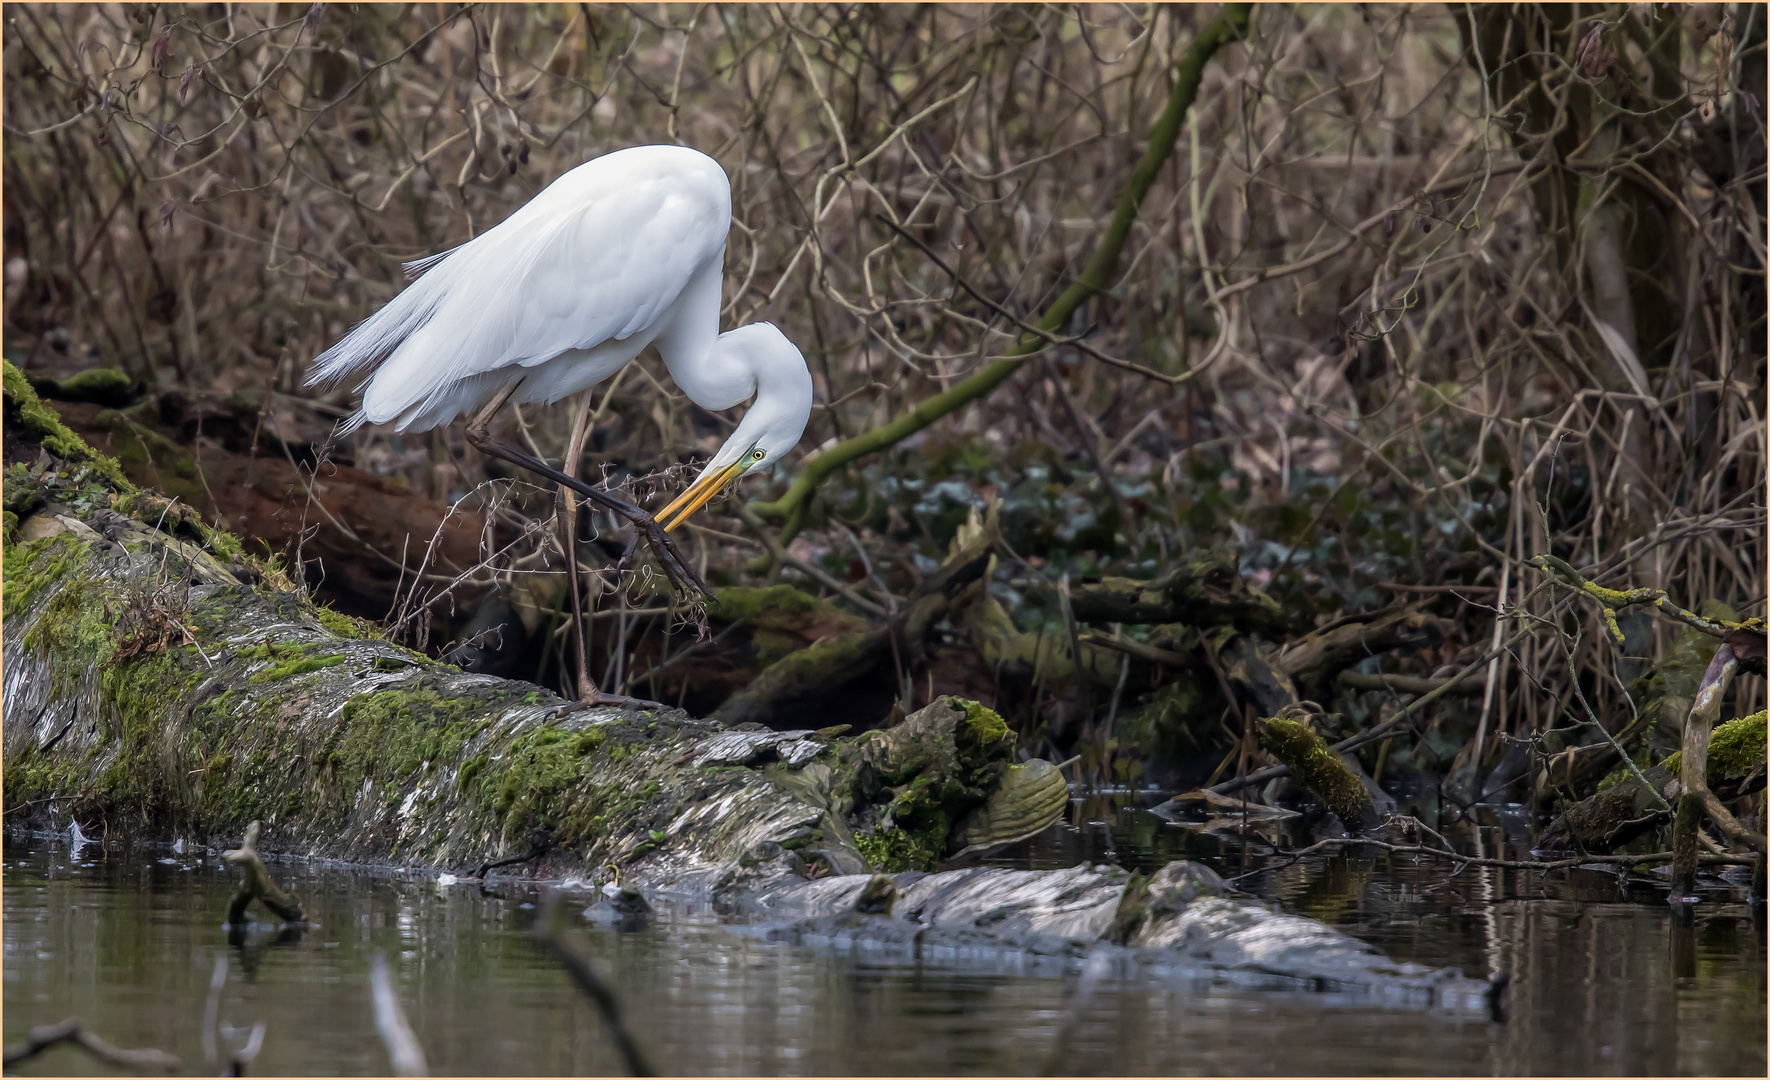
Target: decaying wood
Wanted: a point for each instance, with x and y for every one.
(358, 526)
(1627, 809)
(1206, 589)
(256, 884)
(1289, 739)
(832, 663)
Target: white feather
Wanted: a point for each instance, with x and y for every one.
(602, 254)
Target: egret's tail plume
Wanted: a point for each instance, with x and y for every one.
(372, 340)
(348, 424)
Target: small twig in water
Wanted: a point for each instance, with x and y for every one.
(71, 1032)
(550, 931)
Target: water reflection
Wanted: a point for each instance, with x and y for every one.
(1601, 980)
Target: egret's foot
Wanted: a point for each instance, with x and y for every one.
(670, 558)
(597, 697)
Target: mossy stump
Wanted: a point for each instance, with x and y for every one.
(1315, 766)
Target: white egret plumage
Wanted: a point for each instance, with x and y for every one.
(622, 252)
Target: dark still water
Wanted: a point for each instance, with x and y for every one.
(1602, 982)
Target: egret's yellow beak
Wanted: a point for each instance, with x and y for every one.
(709, 485)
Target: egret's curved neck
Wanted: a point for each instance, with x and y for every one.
(711, 376)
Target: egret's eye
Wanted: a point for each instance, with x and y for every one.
(758, 454)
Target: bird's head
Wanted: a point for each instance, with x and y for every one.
(771, 428)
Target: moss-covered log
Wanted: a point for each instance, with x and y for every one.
(1624, 808)
(158, 681)
(1317, 768)
(828, 665)
(156, 691)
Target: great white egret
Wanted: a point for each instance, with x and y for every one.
(623, 251)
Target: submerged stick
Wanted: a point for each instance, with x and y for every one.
(255, 884)
(71, 1031)
(550, 931)
(1093, 974)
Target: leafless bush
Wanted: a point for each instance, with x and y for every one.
(1416, 299)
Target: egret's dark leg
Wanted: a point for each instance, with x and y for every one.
(478, 434)
(675, 567)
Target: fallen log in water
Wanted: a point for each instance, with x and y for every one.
(1182, 921)
(151, 684)
(157, 681)
(1635, 806)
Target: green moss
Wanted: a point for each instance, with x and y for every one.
(471, 770)
(542, 772)
(102, 386)
(1623, 772)
(43, 425)
(32, 775)
(346, 626)
(757, 604)
(982, 727)
(778, 617)
(144, 698)
(895, 850)
(33, 566)
(76, 626)
(1316, 768)
(390, 734)
(1735, 748)
(590, 740)
(21, 492)
(290, 668)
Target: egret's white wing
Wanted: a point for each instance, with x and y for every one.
(601, 254)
